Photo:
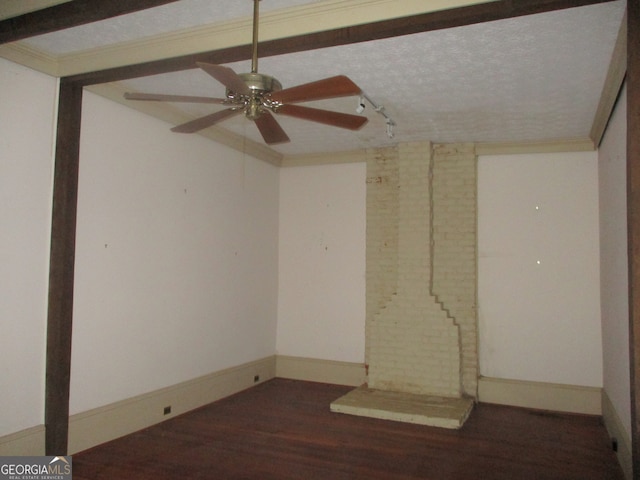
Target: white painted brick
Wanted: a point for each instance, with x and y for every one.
(412, 343)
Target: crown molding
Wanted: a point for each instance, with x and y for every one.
(326, 158)
(543, 146)
(612, 85)
(33, 58)
(494, 148)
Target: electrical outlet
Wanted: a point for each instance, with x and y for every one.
(256, 378)
(167, 410)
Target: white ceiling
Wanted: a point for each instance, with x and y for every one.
(164, 19)
(531, 78)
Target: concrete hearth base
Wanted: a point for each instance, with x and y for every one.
(405, 407)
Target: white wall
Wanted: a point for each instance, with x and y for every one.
(321, 312)
(27, 107)
(539, 321)
(176, 257)
(172, 284)
(613, 260)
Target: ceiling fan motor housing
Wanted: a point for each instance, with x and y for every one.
(258, 83)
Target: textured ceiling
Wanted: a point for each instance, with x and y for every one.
(532, 78)
(164, 19)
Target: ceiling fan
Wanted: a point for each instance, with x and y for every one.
(258, 96)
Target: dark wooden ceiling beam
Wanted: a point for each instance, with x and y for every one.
(458, 17)
(67, 15)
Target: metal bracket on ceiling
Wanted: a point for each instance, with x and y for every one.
(379, 109)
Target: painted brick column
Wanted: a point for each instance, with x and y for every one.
(382, 228)
(412, 343)
(454, 253)
(421, 328)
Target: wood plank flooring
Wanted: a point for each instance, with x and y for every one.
(283, 429)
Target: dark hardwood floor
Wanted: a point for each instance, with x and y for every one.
(283, 429)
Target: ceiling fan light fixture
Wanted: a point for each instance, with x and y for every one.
(254, 109)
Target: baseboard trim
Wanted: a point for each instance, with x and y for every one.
(103, 424)
(29, 441)
(318, 370)
(539, 395)
(617, 430)
(96, 426)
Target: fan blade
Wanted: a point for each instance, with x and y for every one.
(227, 77)
(333, 87)
(270, 129)
(335, 119)
(206, 121)
(158, 97)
